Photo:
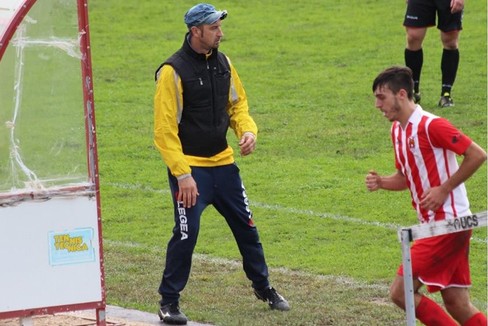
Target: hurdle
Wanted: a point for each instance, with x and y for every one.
(427, 230)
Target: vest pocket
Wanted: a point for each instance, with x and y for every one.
(222, 83)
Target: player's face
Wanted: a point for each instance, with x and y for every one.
(388, 103)
(210, 35)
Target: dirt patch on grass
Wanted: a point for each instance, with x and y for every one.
(69, 319)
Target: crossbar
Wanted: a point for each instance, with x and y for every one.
(431, 229)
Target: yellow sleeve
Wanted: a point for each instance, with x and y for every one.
(238, 108)
(167, 112)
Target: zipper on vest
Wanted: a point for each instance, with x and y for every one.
(212, 84)
(201, 82)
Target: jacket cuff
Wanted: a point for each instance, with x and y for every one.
(183, 176)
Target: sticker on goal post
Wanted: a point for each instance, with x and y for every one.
(71, 247)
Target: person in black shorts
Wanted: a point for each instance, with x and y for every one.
(420, 15)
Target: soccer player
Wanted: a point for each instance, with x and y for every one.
(425, 149)
(198, 96)
(420, 15)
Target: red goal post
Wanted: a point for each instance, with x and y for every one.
(72, 211)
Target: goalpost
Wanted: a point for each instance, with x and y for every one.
(50, 214)
(427, 230)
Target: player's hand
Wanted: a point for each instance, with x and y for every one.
(432, 199)
(247, 144)
(457, 5)
(373, 181)
(187, 192)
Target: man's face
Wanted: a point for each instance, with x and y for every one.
(388, 103)
(209, 36)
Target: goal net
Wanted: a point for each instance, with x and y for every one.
(43, 150)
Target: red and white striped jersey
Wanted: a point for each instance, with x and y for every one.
(425, 152)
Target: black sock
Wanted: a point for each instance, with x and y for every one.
(449, 66)
(414, 61)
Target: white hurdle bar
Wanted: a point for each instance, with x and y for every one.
(427, 230)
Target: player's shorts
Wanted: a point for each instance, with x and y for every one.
(442, 261)
(422, 13)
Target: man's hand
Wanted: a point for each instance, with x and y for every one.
(433, 198)
(457, 5)
(373, 181)
(187, 192)
(247, 143)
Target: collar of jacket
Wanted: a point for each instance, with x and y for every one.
(188, 49)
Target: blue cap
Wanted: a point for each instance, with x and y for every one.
(203, 13)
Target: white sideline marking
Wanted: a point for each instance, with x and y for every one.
(340, 280)
(343, 280)
(390, 226)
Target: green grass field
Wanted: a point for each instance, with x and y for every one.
(307, 67)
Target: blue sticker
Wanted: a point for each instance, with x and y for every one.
(71, 247)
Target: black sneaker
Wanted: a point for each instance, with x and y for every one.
(446, 101)
(274, 299)
(171, 314)
(416, 98)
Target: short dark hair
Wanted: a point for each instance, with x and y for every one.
(395, 78)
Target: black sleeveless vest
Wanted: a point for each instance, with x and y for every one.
(206, 84)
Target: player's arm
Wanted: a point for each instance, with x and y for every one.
(166, 110)
(474, 157)
(166, 140)
(240, 120)
(444, 135)
(395, 182)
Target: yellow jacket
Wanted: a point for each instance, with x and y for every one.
(167, 113)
